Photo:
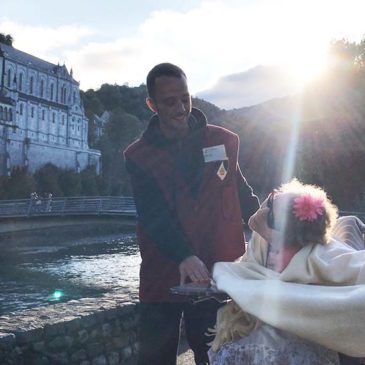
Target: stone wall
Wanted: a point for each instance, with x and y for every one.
(89, 331)
(60, 230)
(63, 156)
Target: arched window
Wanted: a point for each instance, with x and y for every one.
(43, 114)
(53, 117)
(21, 109)
(52, 91)
(1, 112)
(41, 89)
(5, 113)
(9, 78)
(21, 81)
(63, 94)
(11, 115)
(31, 82)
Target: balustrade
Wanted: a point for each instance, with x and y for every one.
(100, 205)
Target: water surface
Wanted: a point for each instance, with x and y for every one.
(39, 275)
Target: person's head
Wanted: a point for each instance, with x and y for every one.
(297, 214)
(169, 97)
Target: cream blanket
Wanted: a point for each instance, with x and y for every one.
(331, 313)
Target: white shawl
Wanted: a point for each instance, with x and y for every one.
(330, 313)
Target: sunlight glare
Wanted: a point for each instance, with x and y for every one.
(308, 66)
(299, 41)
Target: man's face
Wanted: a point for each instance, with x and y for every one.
(172, 103)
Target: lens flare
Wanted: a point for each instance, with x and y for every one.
(57, 294)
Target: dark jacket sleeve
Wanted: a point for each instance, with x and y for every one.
(248, 200)
(156, 218)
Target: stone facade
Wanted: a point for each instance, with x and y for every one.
(42, 118)
(99, 123)
(99, 331)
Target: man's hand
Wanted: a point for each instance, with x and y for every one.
(192, 267)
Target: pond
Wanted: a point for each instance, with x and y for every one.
(39, 275)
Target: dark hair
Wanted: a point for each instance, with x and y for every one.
(162, 69)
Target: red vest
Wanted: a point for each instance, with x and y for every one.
(212, 221)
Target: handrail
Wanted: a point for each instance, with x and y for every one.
(85, 205)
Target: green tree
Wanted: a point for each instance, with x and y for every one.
(89, 182)
(3, 186)
(69, 182)
(120, 131)
(20, 184)
(133, 101)
(212, 112)
(93, 106)
(6, 39)
(109, 96)
(92, 103)
(347, 65)
(47, 180)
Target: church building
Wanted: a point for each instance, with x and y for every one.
(42, 118)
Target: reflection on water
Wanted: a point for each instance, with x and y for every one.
(42, 275)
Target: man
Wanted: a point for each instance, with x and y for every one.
(190, 197)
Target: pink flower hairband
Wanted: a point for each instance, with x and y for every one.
(307, 207)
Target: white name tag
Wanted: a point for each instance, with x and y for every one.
(215, 153)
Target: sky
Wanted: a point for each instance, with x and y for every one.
(119, 41)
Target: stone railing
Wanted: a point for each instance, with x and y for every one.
(89, 331)
(82, 205)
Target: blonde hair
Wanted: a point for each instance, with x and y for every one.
(232, 323)
(304, 232)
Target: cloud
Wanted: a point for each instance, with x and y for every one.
(204, 41)
(254, 86)
(212, 39)
(45, 42)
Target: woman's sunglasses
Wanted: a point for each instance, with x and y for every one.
(270, 214)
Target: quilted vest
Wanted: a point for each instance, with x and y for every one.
(212, 221)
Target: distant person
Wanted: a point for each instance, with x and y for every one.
(191, 198)
(49, 202)
(296, 238)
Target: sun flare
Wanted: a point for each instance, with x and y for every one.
(305, 68)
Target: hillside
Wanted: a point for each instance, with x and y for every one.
(316, 136)
(318, 133)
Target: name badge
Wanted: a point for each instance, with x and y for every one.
(215, 153)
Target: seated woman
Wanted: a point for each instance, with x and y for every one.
(271, 320)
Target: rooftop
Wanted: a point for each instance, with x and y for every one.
(16, 55)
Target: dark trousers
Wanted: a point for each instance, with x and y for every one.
(159, 330)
